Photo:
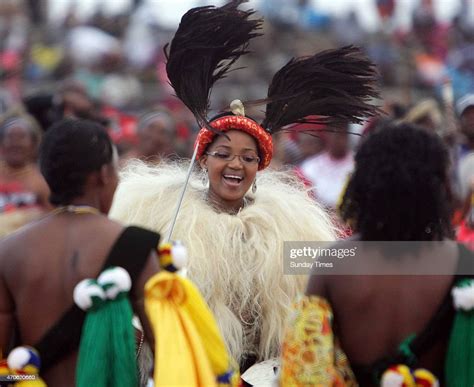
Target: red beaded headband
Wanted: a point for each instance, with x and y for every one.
(226, 123)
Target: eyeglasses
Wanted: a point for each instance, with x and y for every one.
(226, 156)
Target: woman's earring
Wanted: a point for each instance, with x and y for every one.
(205, 178)
(254, 186)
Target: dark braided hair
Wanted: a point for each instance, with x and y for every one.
(399, 190)
(70, 151)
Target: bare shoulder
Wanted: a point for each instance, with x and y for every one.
(15, 244)
(322, 284)
(37, 180)
(112, 224)
(34, 177)
(109, 229)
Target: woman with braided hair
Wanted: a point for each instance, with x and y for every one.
(236, 214)
(41, 263)
(416, 285)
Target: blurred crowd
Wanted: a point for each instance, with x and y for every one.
(111, 69)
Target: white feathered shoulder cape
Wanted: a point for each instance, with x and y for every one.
(235, 260)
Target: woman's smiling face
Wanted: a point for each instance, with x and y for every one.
(229, 180)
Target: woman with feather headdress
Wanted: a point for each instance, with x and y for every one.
(234, 230)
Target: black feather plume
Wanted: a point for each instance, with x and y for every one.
(208, 41)
(335, 85)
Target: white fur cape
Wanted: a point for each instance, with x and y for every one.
(235, 260)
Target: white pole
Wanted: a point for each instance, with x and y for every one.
(175, 216)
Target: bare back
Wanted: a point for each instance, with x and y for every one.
(374, 314)
(40, 266)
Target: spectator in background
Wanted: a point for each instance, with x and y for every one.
(310, 145)
(23, 191)
(120, 87)
(399, 192)
(75, 102)
(156, 133)
(43, 263)
(328, 171)
(309, 140)
(14, 26)
(428, 32)
(426, 114)
(70, 100)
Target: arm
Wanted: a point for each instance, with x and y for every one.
(138, 298)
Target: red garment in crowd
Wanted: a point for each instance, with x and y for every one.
(123, 127)
(466, 235)
(14, 195)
